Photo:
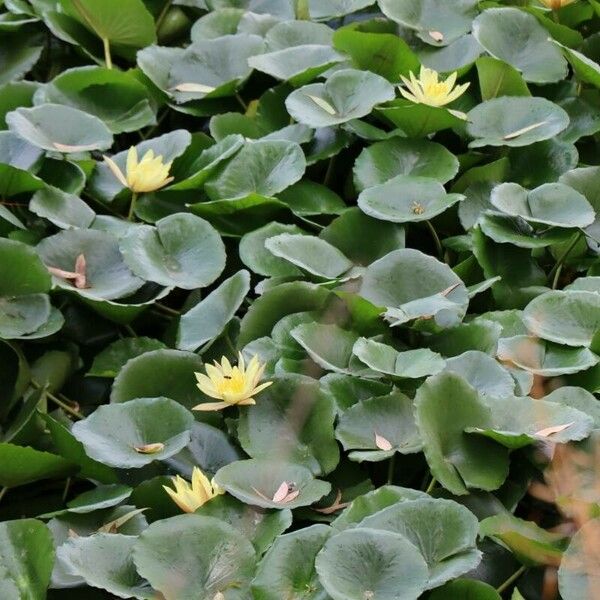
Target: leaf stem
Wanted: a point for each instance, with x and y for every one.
(131, 215)
(57, 401)
(557, 268)
(391, 468)
(241, 102)
(431, 485)
(3, 492)
(107, 57)
(167, 309)
(502, 587)
(436, 239)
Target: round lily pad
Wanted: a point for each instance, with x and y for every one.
(211, 557)
(182, 250)
(259, 481)
(135, 433)
(385, 160)
(517, 121)
(376, 428)
(348, 94)
(267, 429)
(517, 38)
(106, 276)
(362, 563)
(420, 286)
(60, 128)
(449, 548)
(553, 204)
(571, 318)
(406, 198)
(21, 270)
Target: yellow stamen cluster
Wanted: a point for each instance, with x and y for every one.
(190, 498)
(231, 385)
(146, 175)
(428, 89)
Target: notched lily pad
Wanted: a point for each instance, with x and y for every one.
(135, 433)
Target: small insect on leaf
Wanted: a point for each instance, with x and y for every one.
(516, 134)
(150, 448)
(382, 443)
(320, 102)
(438, 36)
(194, 87)
(548, 431)
(78, 276)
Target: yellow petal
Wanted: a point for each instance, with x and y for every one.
(211, 406)
(132, 160)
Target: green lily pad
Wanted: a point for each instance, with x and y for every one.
(126, 23)
(111, 360)
(21, 465)
(168, 373)
(87, 87)
(359, 563)
(287, 569)
(307, 198)
(21, 270)
(106, 274)
(296, 51)
(263, 167)
(530, 543)
(205, 69)
(267, 429)
(373, 502)
(409, 364)
(450, 21)
(571, 318)
(406, 199)
(328, 9)
(446, 405)
(468, 588)
(545, 358)
(578, 398)
(378, 238)
(263, 262)
(135, 433)
(505, 229)
(376, 428)
(329, 346)
(278, 302)
(517, 38)
(482, 372)
(182, 250)
(256, 482)
(209, 317)
(261, 527)
(60, 128)
(101, 497)
(348, 94)
(519, 422)
(515, 121)
(384, 160)
(554, 204)
(211, 556)
(63, 210)
(449, 548)
(27, 556)
(104, 560)
(309, 253)
(420, 287)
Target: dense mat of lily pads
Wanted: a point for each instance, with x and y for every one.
(299, 299)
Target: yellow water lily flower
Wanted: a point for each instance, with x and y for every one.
(428, 89)
(231, 385)
(190, 498)
(146, 175)
(556, 4)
